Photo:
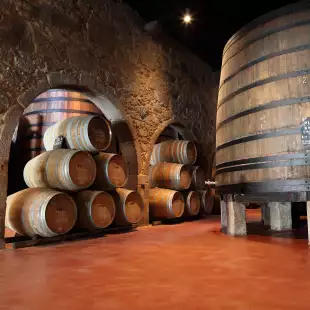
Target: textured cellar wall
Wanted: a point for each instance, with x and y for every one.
(103, 42)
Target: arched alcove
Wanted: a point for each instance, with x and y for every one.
(174, 129)
(121, 126)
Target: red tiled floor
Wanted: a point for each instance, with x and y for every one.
(185, 266)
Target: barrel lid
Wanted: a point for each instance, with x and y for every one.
(133, 207)
(60, 213)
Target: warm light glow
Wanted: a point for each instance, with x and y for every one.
(187, 18)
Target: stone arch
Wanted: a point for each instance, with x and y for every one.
(122, 125)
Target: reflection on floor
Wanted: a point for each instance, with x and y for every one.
(182, 266)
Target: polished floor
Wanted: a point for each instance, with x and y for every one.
(183, 266)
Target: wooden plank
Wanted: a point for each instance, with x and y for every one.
(23, 241)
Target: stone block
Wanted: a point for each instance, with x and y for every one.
(56, 79)
(143, 179)
(280, 215)
(236, 221)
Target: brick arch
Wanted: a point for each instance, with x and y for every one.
(122, 125)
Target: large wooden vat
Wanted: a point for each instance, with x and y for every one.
(62, 169)
(96, 209)
(111, 171)
(174, 151)
(165, 203)
(49, 108)
(264, 97)
(172, 176)
(129, 207)
(40, 211)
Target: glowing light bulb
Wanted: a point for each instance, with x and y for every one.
(187, 18)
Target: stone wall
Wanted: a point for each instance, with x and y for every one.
(101, 45)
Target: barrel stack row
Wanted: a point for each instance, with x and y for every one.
(176, 186)
(77, 185)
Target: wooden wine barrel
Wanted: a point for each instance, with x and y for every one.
(86, 133)
(168, 175)
(264, 97)
(198, 178)
(62, 169)
(165, 203)
(174, 151)
(50, 108)
(206, 202)
(129, 207)
(96, 209)
(192, 203)
(40, 211)
(111, 171)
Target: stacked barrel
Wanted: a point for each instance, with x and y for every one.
(74, 183)
(176, 185)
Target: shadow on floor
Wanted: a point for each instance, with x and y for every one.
(258, 229)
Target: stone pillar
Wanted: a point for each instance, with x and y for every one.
(224, 215)
(236, 223)
(265, 214)
(308, 220)
(280, 215)
(143, 189)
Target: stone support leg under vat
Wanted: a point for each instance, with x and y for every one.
(233, 217)
(280, 215)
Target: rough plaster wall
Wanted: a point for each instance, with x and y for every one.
(155, 81)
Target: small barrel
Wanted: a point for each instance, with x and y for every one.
(96, 209)
(40, 211)
(49, 108)
(206, 202)
(86, 133)
(129, 207)
(192, 203)
(165, 203)
(62, 169)
(172, 176)
(198, 178)
(174, 151)
(111, 171)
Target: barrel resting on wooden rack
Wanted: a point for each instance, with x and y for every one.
(165, 203)
(40, 211)
(264, 97)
